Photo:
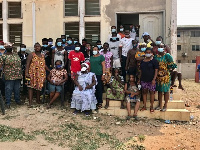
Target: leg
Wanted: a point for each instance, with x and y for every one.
(107, 103)
(8, 91)
(122, 105)
(144, 95)
(128, 105)
(2, 105)
(30, 94)
(173, 77)
(17, 91)
(160, 101)
(38, 97)
(123, 67)
(152, 97)
(179, 80)
(136, 108)
(99, 90)
(54, 97)
(166, 97)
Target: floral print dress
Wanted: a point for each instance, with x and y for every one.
(37, 72)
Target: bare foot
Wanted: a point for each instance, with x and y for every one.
(181, 87)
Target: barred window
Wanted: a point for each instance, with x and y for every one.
(92, 31)
(1, 10)
(72, 29)
(92, 7)
(15, 34)
(71, 7)
(1, 32)
(195, 33)
(14, 9)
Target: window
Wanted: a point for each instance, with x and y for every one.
(179, 61)
(15, 33)
(178, 34)
(1, 10)
(195, 33)
(178, 47)
(92, 7)
(72, 29)
(193, 61)
(71, 7)
(195, 47)
(1, 32)
(14, 9)
(92, 32)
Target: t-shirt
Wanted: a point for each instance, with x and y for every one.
(148, 70)
(47, 52)
(126, 44)
(57, 75)
(114, 49)
(107, 57)
(131, 60)
(96, 64)
(110, 36)
(69, 48)
(76, 59)
(198, 67)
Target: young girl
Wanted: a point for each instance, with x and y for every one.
(116, 90)
(163, 80)
(132, 93)
(56, 78)
(149, 70)
(108, 62)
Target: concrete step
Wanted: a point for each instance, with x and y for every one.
(170, 114)
(175, 104)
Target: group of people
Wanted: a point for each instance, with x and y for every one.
(125, 69)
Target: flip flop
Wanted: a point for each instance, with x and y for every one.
(151, 110)
(143, 108)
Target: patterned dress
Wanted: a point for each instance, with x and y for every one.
(119, 90)
(164, 79)
(37, 72)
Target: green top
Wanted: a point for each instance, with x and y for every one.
(95, 64)
(11, 66)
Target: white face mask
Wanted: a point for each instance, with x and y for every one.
(148, 55)
(122, 29)
(83, 69)
(113, 30)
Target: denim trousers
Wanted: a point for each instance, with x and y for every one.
(10, 86)
(99, 89)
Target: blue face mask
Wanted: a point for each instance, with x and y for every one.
(157, 42)
(69, 42)
(95, 52)
(75, 42)
(114, 38)
(99, 46)
(113, 30)
(63, 40)
(161, 50)
(45, 45)
(50, 43)
(1, 47)
(23, 49)
(59, 43)
(63, 45)
(143, 49)
(58, 66)
(77, 48)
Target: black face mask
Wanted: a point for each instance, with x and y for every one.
(9, 49)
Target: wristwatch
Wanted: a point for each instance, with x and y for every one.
(104, 74)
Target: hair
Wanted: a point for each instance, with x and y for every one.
(98, 41)
(113, 26)
(22, 45)
(50, 39)
(105, 43)
(78, 44)
(58, 39)
(58, 61)
(76, 39)
(114, 33)
(69, 37)
(95, 46)
(88, 43)
(148, 48)
(37, 44)
(44, 39)
(63, 35)
(160, 37)
(84, 40)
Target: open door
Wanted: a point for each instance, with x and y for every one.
(151, 23)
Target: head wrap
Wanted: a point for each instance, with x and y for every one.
(145, 33)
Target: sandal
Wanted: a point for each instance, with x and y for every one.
(151, 110)
(164, 109)
(99, 106)
(48, 106)
(143, 108)
(136, 118)
(158, 108)
(106, 106)
(128, 117)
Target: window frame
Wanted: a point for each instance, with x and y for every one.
(71, 23)
(21, 16)
(99, 30)
(178, 35)
(21, 32)
(64, 8)
(179, 47)
(94, 15)
(194, 33)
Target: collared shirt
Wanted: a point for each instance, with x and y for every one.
(126, 44)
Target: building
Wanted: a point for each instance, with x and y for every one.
(188, 43)
(28, 21)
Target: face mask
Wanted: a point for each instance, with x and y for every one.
(143, 49)
(99, 46)
(113, 30)
(122, 29)
(77, 48)
(133, 30)
(1, 47)
(63, 40)
(69, 42)
(134, 45)
(95, 52)
(114, 38)
(45, 45)
(59, 43)
(83, 69)
(75, 42)
(148, 55)
(23, 49)
(161, 50)
(158, 42)
(50, 43)
(9, 49)
(127, 35)
(58, 66)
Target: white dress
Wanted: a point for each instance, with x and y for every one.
(85, 99)
(59, 55)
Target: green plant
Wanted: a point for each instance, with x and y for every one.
(141, 137)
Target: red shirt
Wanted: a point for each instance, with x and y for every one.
(76, 58)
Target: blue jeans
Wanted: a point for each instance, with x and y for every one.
(10, 86)
(99, 89)
(123, 64)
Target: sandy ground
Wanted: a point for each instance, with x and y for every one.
(150, 133)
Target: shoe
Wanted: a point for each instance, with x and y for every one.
(128, 117)
(75, 112)
(136, 118)
(7, 106)
(87, 114)
(19, 103)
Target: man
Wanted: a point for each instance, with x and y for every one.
(50, 42)
(99, 45)
(113, 30)
(125, 46)
(121, 31)
(198, 70)
(63, 37)
(47, 51)
(84, 42)
(70, 46)
(114, 49)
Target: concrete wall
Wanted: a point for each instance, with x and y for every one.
(187, 69)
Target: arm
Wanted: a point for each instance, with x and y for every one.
(126, 90)
(64, 79)
(120, 53)
(65, 57)
(69, 64)
(127, 60)
(77, 84)
(154, 78)
(52, 59)
(49, 78)
(93, 83)
(28, 62)
(111, 64)
(46, 68)
(140, 58)
(104, 67)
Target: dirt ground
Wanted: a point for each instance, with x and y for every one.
(59, 129)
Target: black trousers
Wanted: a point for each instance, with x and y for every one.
(99, 89)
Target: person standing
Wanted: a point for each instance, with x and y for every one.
(125, 46)
(97, 65)
(11, 64)
(121, 31)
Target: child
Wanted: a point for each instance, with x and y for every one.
(132, 93)
(56, 78)
(115, 92)
(149, 70)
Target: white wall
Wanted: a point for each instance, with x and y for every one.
(187, 69)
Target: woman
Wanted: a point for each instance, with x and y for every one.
(23, 56)
(156, 44)
(166, 63)
(56, 78)
(13, 74)
(97, 66)
(35, 72)
(59, 53)
(83, 97)
(108, 62)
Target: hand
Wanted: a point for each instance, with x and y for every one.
(153, 82)
(132, 94)
(52, 82)
(27, 75)
(59, 83)
(80, 88)
(138, 82)
(88, 87)
(114, 92)
(103, 77)
(150, 37)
